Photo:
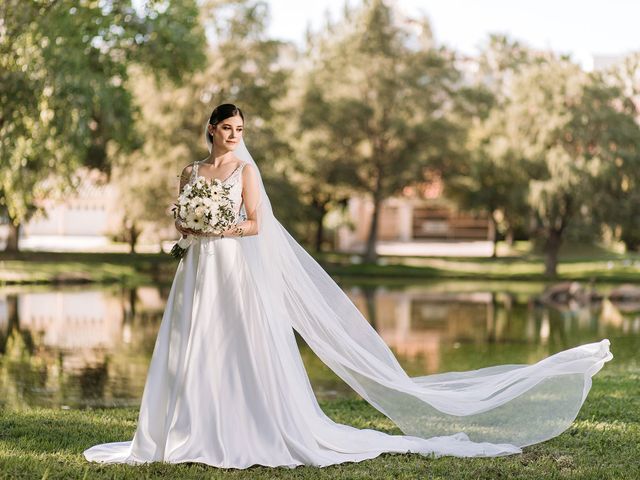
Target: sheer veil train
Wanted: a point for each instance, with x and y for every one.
(506, 404)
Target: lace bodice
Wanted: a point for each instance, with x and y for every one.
(234, 180)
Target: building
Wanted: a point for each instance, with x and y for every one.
(86, 220)
(80, 221)
(417, 222)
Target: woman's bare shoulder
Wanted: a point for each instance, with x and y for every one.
(188, 168)
(247, 168)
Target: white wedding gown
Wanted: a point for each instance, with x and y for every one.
(226, 385)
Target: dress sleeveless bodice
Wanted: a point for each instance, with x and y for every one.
(234, 180)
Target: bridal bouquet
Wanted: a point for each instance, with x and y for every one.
(203, 206)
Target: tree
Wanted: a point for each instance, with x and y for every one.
(576, 132)
(63, 87)
(243, 67)
(492, 176)
(619, 207)
(317, 168)
(388, 94)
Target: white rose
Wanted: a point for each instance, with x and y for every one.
(199, 211)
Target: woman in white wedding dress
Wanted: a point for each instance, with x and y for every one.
(226, 385)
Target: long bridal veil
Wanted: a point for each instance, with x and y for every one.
(513, 404)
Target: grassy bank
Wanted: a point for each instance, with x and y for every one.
(81, 267)
(603, 443)
(521, 264)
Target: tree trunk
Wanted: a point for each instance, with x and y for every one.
(493, 235)
(321, 212)
(551, 248)
(133, 238)
(510, 236)
(13, 238)
(370, 255)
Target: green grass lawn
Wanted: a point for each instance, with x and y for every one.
(603, 443)
(83, 267)
(520, 263)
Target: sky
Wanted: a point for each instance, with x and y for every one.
(581, 28)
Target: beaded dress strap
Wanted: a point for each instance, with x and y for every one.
(239, 169)
(235, 172)
(194, 171)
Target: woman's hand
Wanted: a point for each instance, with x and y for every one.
(182, 229)
(188, 231)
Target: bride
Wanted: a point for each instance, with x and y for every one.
(226, 385)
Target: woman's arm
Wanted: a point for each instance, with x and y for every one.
(251, 200)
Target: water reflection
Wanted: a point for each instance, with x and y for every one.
(77, 347)
(91, 347)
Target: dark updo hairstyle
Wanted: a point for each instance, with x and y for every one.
(222, 112)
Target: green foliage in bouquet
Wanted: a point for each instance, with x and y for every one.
(203, 206)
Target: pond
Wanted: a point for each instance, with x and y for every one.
(90, 346)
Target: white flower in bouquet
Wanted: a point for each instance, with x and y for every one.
(200, 210)
(194, 221)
